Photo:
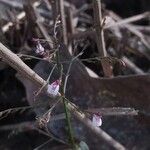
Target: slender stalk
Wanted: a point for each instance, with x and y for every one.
(107, 68)
(63, 21)
(98, 27)
(67, 113)
(70, 131)
(62, 88)
(65, 103)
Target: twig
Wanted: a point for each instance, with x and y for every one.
(31, 19)
(107, 68)
(14, 61)
(39, 147)
(69, 68)
(48, 5)
(131, 28)
(70, 21)
(71, 29)
(70, 131)
(98, 25)
(19, 17)
(6, 112)
(82, 9)
(63, 20)
(115, 111)
(49, 135)
(145, 29)
(128, 20)
(18, 5)
(127, 61)
(132, 66)
(67, 113)
(41, 27)
(60, 70)
(66, 101)
(40, 90)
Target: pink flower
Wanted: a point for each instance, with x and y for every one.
(97, 120)
(53, 88)
(39, 49)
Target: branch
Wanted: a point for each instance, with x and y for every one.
(14, 61)
(63, 21)
(114, 111)
(107, 68)
(131, 28)
(20, 16)
(128, 20)
(99, 30)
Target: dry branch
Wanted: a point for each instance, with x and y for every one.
(99, 30)
(20, 16)
(37, 20)
(14, 61)
(131, 28)
(107, 68)
(128, 20)
(63, 21)
(114, 111)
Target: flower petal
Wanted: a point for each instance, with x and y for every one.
(53, 89)
(97, 120)
(39, 49)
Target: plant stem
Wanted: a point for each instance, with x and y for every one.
(65, 103)
(107, 68)
(70, 131)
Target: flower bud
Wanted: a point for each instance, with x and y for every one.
(97, 120)
(53, 88)
(39, 49)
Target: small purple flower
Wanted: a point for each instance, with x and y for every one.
(39, 49)
(53, 88)
(97, 119)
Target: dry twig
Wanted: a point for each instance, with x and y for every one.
(20, 16)
(107, 68)
(131, 28)
(63, 21)
(114, 111)
(128, 20)
(132, 66)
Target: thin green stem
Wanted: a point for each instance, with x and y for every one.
(67, 113)
(70, 131)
